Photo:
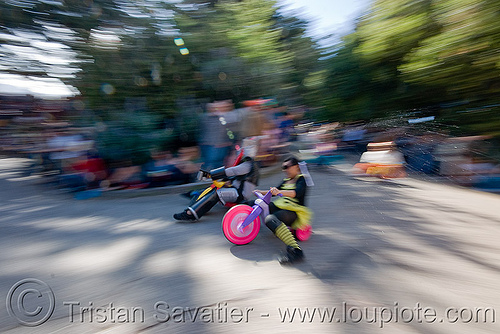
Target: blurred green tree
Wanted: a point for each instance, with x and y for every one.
(305, 76)
(463, 56)
(242, 48)
(390, 31)
(402, 55)
(434, 56)
(347, 83)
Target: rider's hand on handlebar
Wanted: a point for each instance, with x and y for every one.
(275, 191)
(205, 174)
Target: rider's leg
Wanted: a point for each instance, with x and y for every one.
(228, 195)
(281, 231)
(200, 207)
(279, 228)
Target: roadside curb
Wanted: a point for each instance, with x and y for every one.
(177, 189)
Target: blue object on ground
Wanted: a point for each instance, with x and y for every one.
(325, 160)
(488, 183)
(86, 194)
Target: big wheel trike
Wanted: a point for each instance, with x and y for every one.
(216, 184)
(241, 223)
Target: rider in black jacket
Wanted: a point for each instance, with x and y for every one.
(242, 180)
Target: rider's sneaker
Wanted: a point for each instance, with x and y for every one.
(292, 255)
(184, 216)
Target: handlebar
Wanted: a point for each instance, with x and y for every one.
(259, 195)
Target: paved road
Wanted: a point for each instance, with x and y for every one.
(406, 256)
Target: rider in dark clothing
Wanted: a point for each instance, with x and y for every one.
(241, 181)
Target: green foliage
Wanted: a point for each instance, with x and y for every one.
(239, 48)
(462, 56)
(419, 53)
(130, 139)
(305, 76)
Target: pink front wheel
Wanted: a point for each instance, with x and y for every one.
(233, 219)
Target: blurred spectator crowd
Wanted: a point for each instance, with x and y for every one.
(71, 156)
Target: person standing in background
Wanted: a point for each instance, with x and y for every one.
(215, 142)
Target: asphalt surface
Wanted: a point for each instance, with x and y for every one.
(400, 256)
